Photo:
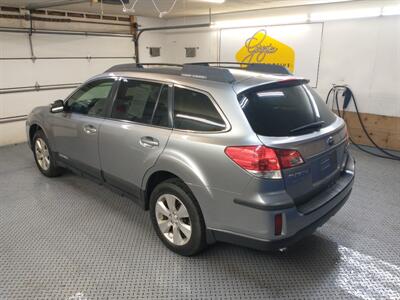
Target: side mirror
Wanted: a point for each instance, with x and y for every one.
(57, 106)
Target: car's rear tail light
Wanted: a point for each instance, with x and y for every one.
(278, 224)
(289, 158)
(263, 161)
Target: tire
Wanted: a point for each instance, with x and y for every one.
(44, 158)
(175, 234)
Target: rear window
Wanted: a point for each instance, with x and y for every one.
(277, 112)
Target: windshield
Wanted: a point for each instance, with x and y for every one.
(282, 111)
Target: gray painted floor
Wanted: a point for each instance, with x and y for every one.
(69, 238)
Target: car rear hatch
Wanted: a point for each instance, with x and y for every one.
(288, 114)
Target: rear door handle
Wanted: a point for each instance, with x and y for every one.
(89, 129)
(148, 142)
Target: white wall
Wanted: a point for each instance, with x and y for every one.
(363, 53)
(366, 55)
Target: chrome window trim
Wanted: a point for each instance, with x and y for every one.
(162, 82)
(137, 123)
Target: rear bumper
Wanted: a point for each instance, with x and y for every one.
(298, 222)
(270, 245)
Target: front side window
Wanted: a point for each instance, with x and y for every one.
(195, 111)
(91, 99)
(136, 101)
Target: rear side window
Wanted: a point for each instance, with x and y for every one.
(136, 101)
(195, 111)
(277, 112)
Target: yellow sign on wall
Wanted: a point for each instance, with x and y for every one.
(263, 49)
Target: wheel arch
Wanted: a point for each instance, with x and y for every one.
(33, 128)
(36, 124)
(152, 180)
(176, 164)
(200, 193)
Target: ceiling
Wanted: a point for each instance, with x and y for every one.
(182, 7)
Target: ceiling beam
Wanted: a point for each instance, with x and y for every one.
(53, 3)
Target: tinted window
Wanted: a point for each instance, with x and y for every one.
(324, 111)
(195, 111)
(277, 112)
(160, 117)
(136, 101)
(91, 99)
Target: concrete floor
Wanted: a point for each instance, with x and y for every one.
(69, 238)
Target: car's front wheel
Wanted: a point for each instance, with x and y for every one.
(44, 158)
(177, 218)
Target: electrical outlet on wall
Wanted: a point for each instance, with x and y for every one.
(191, 51)
(154, 51)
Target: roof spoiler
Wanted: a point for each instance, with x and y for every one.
(276, 84)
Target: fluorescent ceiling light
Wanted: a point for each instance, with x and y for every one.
(391, 10)
(261, 21)
(345, 14)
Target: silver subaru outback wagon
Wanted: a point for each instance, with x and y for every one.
(249, 156)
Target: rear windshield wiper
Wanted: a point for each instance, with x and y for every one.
(317, 124)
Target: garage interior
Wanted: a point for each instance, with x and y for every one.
(70, 238)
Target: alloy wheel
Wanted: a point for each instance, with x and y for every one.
(42, 154)
(173, 219)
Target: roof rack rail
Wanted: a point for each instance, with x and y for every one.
(213, 71)
(161, 64)
(136, 67)
(254, 67)
(206, 72)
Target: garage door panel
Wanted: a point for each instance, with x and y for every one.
(22, 103)
(77, 45)
(17, 73)
(14, 45)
